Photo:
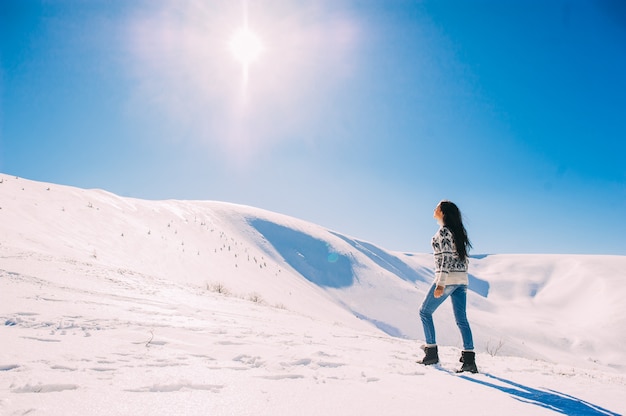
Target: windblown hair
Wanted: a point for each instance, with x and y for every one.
(453, 220)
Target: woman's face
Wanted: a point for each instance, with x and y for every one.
(438, 215)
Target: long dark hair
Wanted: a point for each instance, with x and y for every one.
(453, 220)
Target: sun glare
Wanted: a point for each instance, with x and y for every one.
(246, 47)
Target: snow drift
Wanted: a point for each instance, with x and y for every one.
(75, 260)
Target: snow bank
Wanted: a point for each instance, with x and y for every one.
(115, 305)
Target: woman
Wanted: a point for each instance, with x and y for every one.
(450, 247)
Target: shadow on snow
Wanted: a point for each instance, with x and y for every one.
(383, 326)
(478, 286)
(548, 399)
(387, 261)
(312, 258)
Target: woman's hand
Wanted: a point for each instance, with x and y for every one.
(439, 291)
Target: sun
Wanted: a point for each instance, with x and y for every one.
(246, 47)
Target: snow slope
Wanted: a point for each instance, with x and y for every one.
(115, 305)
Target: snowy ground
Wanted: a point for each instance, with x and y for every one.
(119, 306)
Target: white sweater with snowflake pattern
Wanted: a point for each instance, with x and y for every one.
(449, 268)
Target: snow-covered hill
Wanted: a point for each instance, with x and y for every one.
(115, 305)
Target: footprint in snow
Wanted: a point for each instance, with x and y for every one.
(329, 364)
(282, 376)
(45, 388)
(169, 388)
(42, 339)
(302, 361)
(252, 362)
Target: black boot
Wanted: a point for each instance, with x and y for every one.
(432, 356)
(468, 358)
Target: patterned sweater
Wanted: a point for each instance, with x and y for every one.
(449, 268)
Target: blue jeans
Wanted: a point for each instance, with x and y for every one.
(458, 294)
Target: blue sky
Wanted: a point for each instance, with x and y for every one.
(358, 115)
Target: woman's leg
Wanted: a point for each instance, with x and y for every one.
(429, 305)
(459, 303)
